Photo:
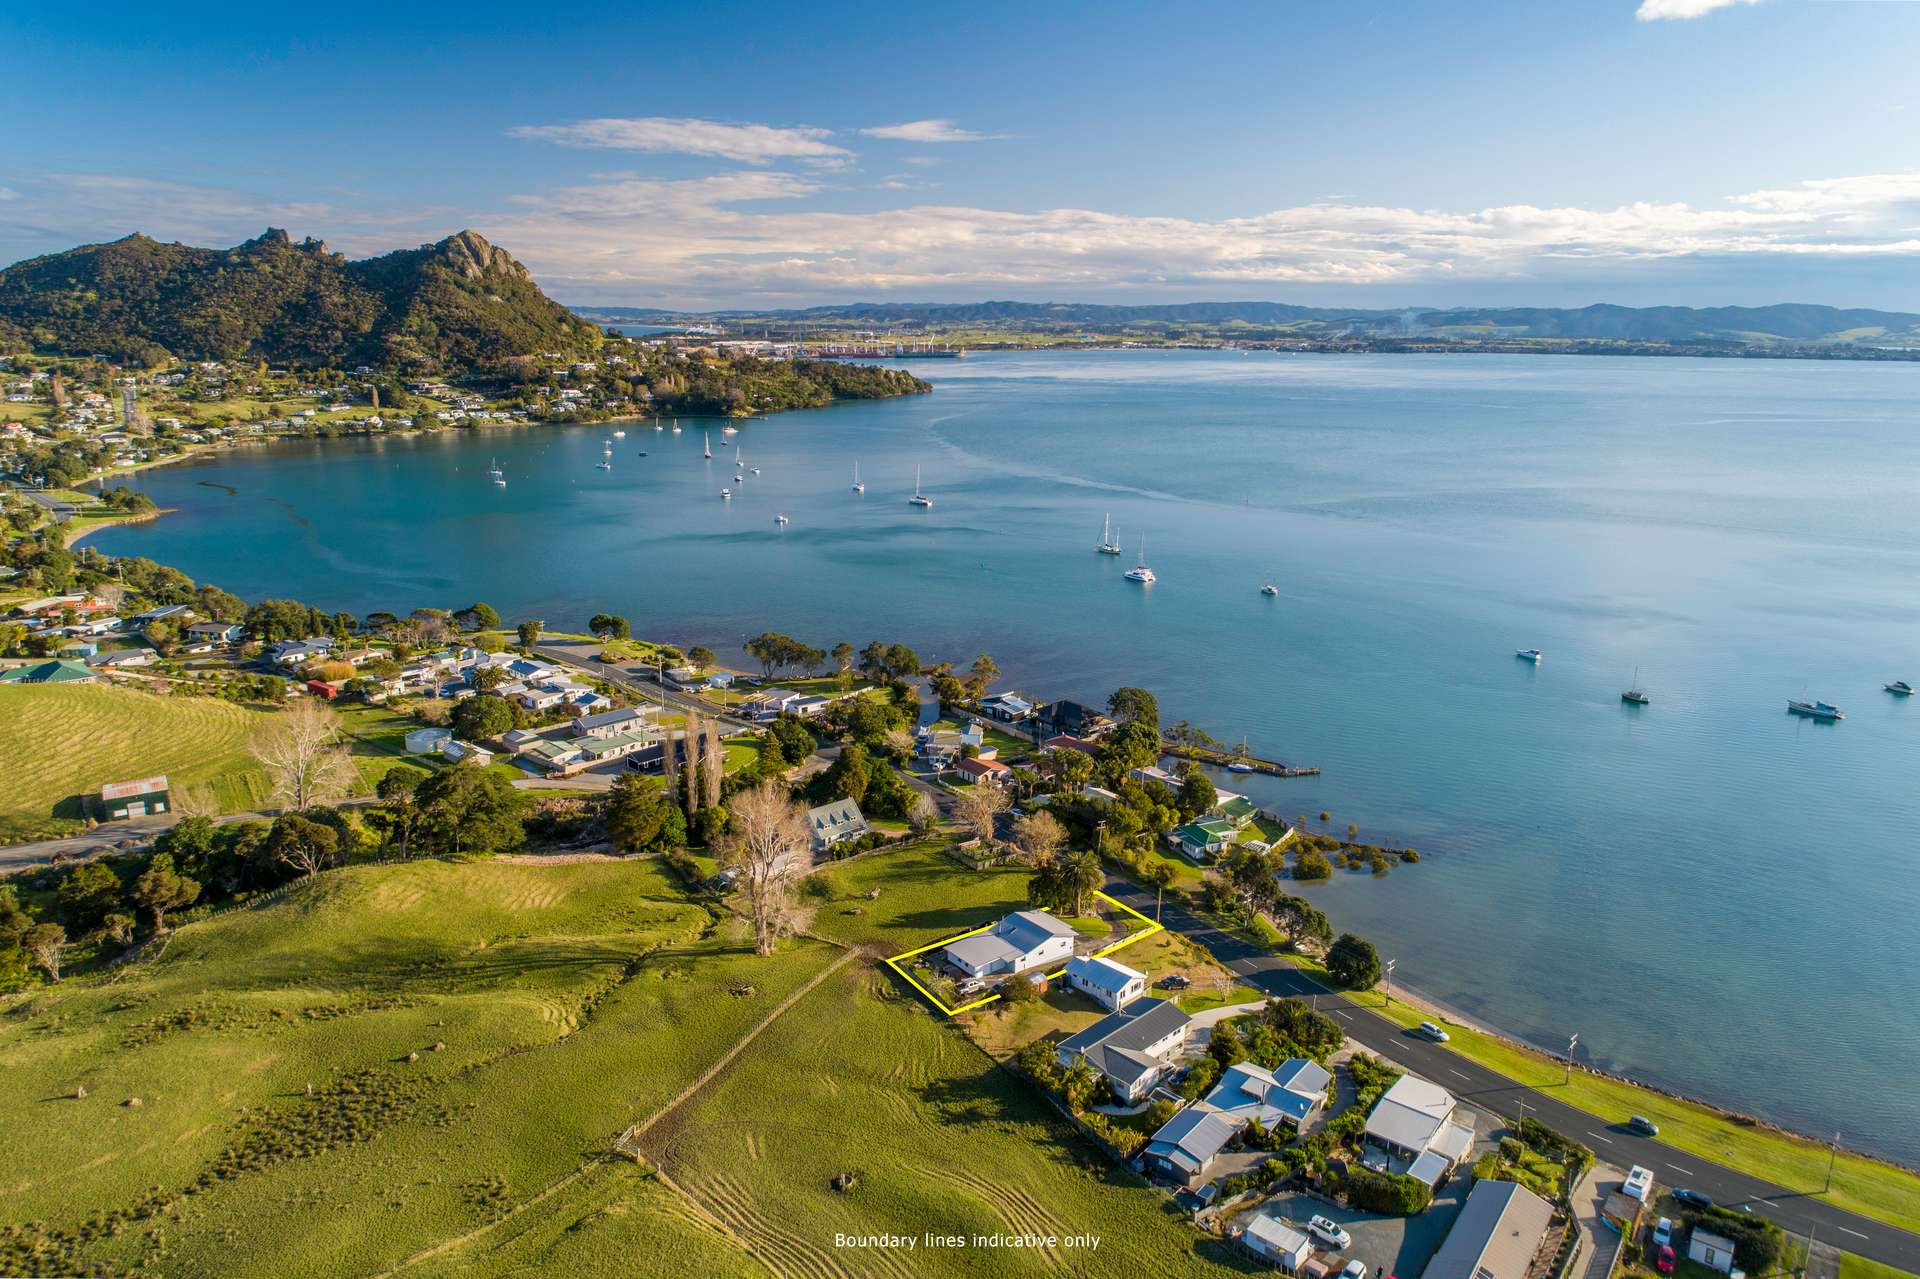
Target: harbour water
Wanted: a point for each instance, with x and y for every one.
(1717, 896)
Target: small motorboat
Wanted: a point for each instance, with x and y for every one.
(1529, 655)
(780, 519)
(1815, 710)
(603, 466)
(1900, 688)
(1269, 589)
(619, 435)
(726, 493)
(1239, 768)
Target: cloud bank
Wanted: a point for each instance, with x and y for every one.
(1682, 10)
(924, 131)
(742, 143)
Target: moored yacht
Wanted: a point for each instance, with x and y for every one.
(781, 519)
(1269, 589)
(619, 435)
(1140, 572)
(1636, 694)
(1528, 655)
(1899, 688)
(1107, 545)
(918, 498)
(859, 485)
(1815, 710)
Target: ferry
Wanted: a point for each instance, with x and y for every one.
(1815, 710)
(1107, 545)
(1269, 589)
(1529, 655)
(918, 498)
(1140, 572)
(1899, 688)
(859, 486)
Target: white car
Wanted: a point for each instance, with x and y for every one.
(1356, 1269)
(1639, 1183)
(1328, 1232)
(1434, 1032)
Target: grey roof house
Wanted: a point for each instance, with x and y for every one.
(1025, 939)
(1498, 1231)
(1134, 1048)
(833, 823)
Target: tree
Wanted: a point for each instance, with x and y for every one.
(1071, 769)
(44, 942)
(1039, 836)
(1080, 874)
(1130, 705)
(467, 809)
(475, 617)
(1197, 794)
(160, 889)
(701, 656)
(88, 893)
(1312, 865)
(529, 632)
(399, 810)
(118, 928)
(485, 679)
(1353, 962)
(981, 676)
(923, 813)
(977, 807)
(1135, 744)
(301, 752)
(850, 774)
(641, 819)
(767, 846)
(303, 844)
(1301, 919)
(609, 626)
(1159, 876)
(478, 718)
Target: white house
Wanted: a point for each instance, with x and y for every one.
(1134, 1048)
(1107, 982)
(1275, 1242)
(607, 723)
(1419, 1128)
(1715, 1252)
(834, 823)
(1023, 940)
(300, 652)
(428, 741)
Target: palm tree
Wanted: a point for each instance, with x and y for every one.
(1080, 874)
(1159, 876)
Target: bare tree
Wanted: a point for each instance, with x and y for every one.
(1039, 836)
(195, 801)
(925, 814)
(669, 768)
(977, 806)
(691, 789)
(713, 763)
(767, 845)
(300, 749)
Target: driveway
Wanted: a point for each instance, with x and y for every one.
(1387, 1245)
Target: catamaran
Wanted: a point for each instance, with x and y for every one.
(1635, 694)
(1107, 545)
(1815, 710)
(919, 498)
(1140, 572)
(858, 485)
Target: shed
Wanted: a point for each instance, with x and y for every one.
(121, 800)
(1715, 1252)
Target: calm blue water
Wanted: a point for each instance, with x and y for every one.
(1714, 895)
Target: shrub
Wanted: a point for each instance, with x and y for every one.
(1312, 865)
(1394, 1193)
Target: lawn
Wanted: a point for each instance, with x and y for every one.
(377, 740)
(1862, 1185)
(64, 741)
(571, 1001)
(1852, 1267)
(1008, 746)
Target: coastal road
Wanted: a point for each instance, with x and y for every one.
(1798, 1211)
(586, 657)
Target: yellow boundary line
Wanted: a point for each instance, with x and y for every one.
(893, 962)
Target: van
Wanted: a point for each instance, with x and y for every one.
(1639, 1183)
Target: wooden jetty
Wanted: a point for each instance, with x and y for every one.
(1225, 759)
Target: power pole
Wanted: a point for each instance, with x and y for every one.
(1833, 1154)
(1571, 1045)
(1390, 964)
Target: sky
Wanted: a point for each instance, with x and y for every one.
(1686, 152)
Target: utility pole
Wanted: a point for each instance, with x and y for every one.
(1571, 1045)
(1833, 1154)
(1390, 964)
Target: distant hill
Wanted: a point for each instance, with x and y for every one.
(461, 303)
(1789, 323)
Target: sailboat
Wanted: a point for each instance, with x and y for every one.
(676, 426)
(919, 498)
(1635, 694)
(606, 448)
(739, 469)
(708, 437)
(493, 467)
(658, 425)
(1140, 572)
(858, 485)
(1107, 545)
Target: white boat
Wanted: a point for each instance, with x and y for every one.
(603, 466)
(676, 426)
(1528, 655)
(726, 493)
(1899, 688)
(729, 430)
(658, 425)
(858, 485)
(1269, 589)
(619, 435)
(500, 481)
(709, 439)
(607, 451)
(1140, 572)
(1107, 545)
(1815, 710)
(780, 519)
(493, 468)
(919, 498)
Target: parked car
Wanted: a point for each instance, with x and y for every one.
(1644, 1126)
(1328, 1232)
(1639, 1183)
(1173, 981)
(1693, 1197)
(1663, 1232)
(1665, 1261)
(1355, 1269)
(1430, 1031)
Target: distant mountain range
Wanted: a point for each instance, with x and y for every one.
(1786, 323)
(460, 303)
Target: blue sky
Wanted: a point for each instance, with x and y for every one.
(1640, 151)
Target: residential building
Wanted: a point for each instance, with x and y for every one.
(1272, 1240)
(1496, 1236)
(1067, 742)
(121, 800)
(1071, 719)
(300, 652)
(1204, 840)
(1236, 810)
(1288, 1095)
(1023, 940)
(989, 771)
(123, 657)
(1107, 982)
(458, 752)
(1185, 1148)
(1418, 1128)
(835, 823)
(48, 673)
(1010, 708)
(1134, 1048)
(1715, 1252)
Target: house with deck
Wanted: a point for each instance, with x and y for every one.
(1420, 1129)
(1497, 1235)
(1133, 1048)
(1107, 982)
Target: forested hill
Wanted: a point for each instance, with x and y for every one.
(461, 303)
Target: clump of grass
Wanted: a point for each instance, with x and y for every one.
(354, 1110)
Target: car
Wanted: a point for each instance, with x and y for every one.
(1693, 1197)
(1430, 1031)
(1644, 1126)
(1663, 1231)
(1355, 1269)
(1639, 1183)
(1328, 1232)
(1174, 981)
(1665, 1261)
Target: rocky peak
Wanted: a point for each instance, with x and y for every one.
(469, 253)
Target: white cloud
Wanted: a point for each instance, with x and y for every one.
(924, 131)
(743, 143)
(8, 193)
(1682, 10)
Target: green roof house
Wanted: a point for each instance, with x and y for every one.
(48, 673)
(1203, 840)
(1239, 810)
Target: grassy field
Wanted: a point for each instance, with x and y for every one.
(422, 1069)
(1865, 1186)
(1852, 1267)
(64, 741)
(377, 737)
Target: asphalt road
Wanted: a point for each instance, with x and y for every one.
(1796, 1210)
(586, 657)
